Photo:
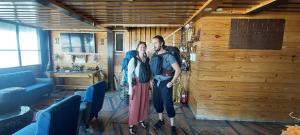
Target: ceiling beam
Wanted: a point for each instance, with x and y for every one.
(53, 4)
(166, 37)
(142, 25)
(264, 5)
(207, 7)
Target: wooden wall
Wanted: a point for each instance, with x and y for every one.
(134, 35)
(94, 59)
(242, 84)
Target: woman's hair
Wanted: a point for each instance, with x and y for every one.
(139, 44)
(161, 40)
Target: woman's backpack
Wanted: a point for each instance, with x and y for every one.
(130, 54)
(144, 70)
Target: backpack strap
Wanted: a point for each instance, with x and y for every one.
(135, 61)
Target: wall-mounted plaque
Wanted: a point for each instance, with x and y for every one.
(256, 34)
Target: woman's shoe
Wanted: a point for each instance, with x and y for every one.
(142, 123)
(131, 131)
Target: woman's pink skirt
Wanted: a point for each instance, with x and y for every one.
(138, 103)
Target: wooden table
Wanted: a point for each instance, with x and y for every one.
(75, 80)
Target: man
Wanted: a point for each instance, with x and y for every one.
(163, 83)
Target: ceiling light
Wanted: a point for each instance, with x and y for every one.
(207, 9)
(219, 9)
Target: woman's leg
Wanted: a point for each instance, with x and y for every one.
(134, 106)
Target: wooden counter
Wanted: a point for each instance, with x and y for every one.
(75, 80)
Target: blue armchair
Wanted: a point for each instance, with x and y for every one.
(92, 101)
(59, 119)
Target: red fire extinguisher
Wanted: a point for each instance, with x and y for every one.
(184, 97)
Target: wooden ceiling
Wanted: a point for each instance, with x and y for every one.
(96, 14)
(35, 14)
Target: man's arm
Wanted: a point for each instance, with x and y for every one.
(177, 69)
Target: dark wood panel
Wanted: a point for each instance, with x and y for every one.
(264, 34)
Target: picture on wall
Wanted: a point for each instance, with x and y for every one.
(78, 42)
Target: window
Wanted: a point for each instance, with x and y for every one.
(9, 54)
(30, 51)
(22, 53)
(119, 42)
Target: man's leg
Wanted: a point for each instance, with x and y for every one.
(168, 101)
(167, 94)
(158, 104)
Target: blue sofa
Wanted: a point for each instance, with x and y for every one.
(59, 119)
(34, 87)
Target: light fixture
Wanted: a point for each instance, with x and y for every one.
(207, 9)
(219, 9)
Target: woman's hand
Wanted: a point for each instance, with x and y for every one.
(130, 91)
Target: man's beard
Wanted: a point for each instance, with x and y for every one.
(157, 49)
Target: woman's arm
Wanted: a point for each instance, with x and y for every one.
(130, 75)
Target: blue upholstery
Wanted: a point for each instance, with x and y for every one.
(17, 79)
(95, 94)
(58, 119)
(35, 87)
(92, 103)
(28, 130)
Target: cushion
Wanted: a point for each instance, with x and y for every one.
(38, 89)
(11, 94)
(11, 99)
(17, 79)
(28, 130)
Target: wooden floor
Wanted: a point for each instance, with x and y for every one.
(114, 116)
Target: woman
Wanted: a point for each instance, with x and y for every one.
(138, 89)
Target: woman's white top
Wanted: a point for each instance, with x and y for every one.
(132, 70)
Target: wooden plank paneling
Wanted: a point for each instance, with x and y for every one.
(232, 87)
(248, 67)
(243, 84)
(147, 33)
(245, 115)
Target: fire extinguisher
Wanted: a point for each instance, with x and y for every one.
(184, 97)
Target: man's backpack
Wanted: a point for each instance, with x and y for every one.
(175, 52)
(157, 60)
(156, 64)
(144, 70)
(128, 56)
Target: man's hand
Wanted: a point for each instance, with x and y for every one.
(169, 84)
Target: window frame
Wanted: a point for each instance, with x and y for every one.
(115, 46)
(17, 31)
